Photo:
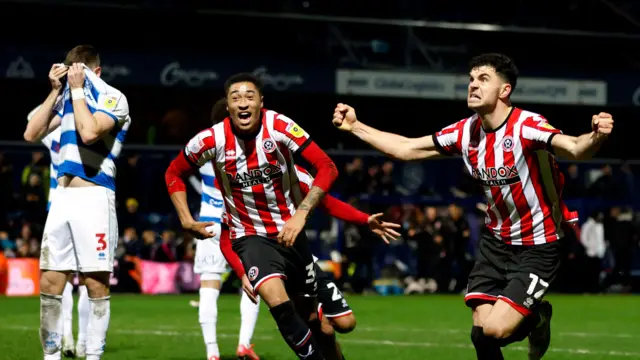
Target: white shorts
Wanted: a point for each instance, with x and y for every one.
(81, 232)
(209, 258)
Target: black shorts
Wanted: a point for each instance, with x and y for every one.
(332, 303)
(519, 275)
(264, 259)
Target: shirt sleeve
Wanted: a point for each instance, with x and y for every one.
(114, 105)
(58, 107)
(289, 133)
(305, 179)
(536, 133)
(448, 141)
(227, 251)
(201, 148)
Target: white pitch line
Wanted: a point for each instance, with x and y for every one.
(351, 340)
(462, 331)
(372, 329)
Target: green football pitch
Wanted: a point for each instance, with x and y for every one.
(402, 327)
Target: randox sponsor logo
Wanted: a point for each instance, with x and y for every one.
(492, 176)
(255, 177)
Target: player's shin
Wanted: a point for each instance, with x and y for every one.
(83, 316)
(67, 311)
(295, 332)
(208, 318)
(248, 318)
(326, 336)
(99, 315)
(51, 325)
(487, 347)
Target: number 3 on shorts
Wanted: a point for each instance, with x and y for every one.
(535, 280)
(311, 275)
(102, 244)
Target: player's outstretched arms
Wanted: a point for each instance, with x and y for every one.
(45, 119)
(179, 170)
(345, 212)
(584, 146)
(393, 145)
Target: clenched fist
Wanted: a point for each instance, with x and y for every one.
(344, 117)
(602, 125)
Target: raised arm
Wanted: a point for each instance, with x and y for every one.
(586, 145)
(46, 118)
(538, 134)
(93, 126)
(393, 145)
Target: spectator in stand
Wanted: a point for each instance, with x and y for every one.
(131, 244)
(627, 182)
(6, 245)
(34, 200)
(131, 217)
(149, 246)
(354, 177)
(6, 184)
(166, 252)
(38, 165)
(592, 238)
(456, 231)
(605, 186)
(386, 185)
(573, 183)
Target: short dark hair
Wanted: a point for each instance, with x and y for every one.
(504, 66)
(219, 111)
(86, 54)
(243, 77)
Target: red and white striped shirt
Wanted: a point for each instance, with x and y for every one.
(519, 174)
(257, 176)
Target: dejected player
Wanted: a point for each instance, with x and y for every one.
(252, 153)
(52, 142)
(81, 230)
(510, 151)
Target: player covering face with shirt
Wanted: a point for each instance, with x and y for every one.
(510, 152)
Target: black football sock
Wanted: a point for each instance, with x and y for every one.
(295, 332)
(487, 348)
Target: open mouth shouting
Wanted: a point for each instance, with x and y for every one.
(245, 117)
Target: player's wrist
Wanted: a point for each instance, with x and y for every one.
(77, 93)
(304, 213)
(187, 223)
(356, 126)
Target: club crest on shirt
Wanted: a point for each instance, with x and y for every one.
(295, 130)
(253, 273)
(268, 145)
(507, 143)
